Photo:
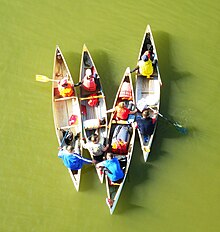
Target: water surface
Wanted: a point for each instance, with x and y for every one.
(178, 189)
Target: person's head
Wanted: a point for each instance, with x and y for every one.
(145, 57)
(88, 72)
(145, 114)
(94, 138)
(70, 149)
(109, 156)
(121, 104)
(58, 55)
(64, 82)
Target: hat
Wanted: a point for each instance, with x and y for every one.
(63, 81)
(88, 72)
(145, 58)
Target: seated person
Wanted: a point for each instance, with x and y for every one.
(146, 123)
(65, 87)
(146, 65)
(71, 158)
(89, 81)
(95, 148)
(122, 111)
(112, 167)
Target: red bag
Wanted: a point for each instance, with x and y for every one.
(73, 119)
(93, 101)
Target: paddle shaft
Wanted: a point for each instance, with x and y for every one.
(171, 122)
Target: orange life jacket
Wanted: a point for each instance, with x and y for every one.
(66, 91)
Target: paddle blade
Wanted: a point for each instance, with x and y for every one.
(180, 128)
(42, 78)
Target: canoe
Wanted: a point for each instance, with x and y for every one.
(65, 108)
(124, 154)
(148, 90)
(93, 106)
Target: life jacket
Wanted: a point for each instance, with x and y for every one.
(66, 91)
(89, 84)
(145, 68)
(119, 147)
(122, 113)
(125, 92)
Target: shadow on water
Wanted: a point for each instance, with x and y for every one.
(139, 169)
(104, 68)
(73, 60)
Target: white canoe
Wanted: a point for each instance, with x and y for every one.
(94, 118)
(148, 89)
(64, 108)
(114, 190)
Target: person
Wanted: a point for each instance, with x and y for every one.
(122, 111)
(65, 87)
(146, 123)
(112, 165)
(59, 64)
(71, 158)
(144, 66)
(95, 148)
(89, 81)
(68, 136)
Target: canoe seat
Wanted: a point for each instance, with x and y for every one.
(91, 124)
(64, 98)
(147, 92)
(68, 127)
(125, 122)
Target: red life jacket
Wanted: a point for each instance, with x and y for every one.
(89, 84)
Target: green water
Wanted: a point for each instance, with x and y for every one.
(178, 189)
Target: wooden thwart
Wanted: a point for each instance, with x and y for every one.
(68, 127)
(92, 97)
(64, 98)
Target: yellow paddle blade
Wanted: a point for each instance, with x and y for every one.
(42, 78)
(146, 148)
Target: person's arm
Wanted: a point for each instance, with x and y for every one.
(84, 145)
(83, 159)
(60, 153)
(133, 111)
(110, 110)
(133, 70)
(77, 84)
(105, 148)
(101, 164)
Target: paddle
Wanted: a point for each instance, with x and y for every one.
(178, 127)
(66, 133)
(43, 78)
